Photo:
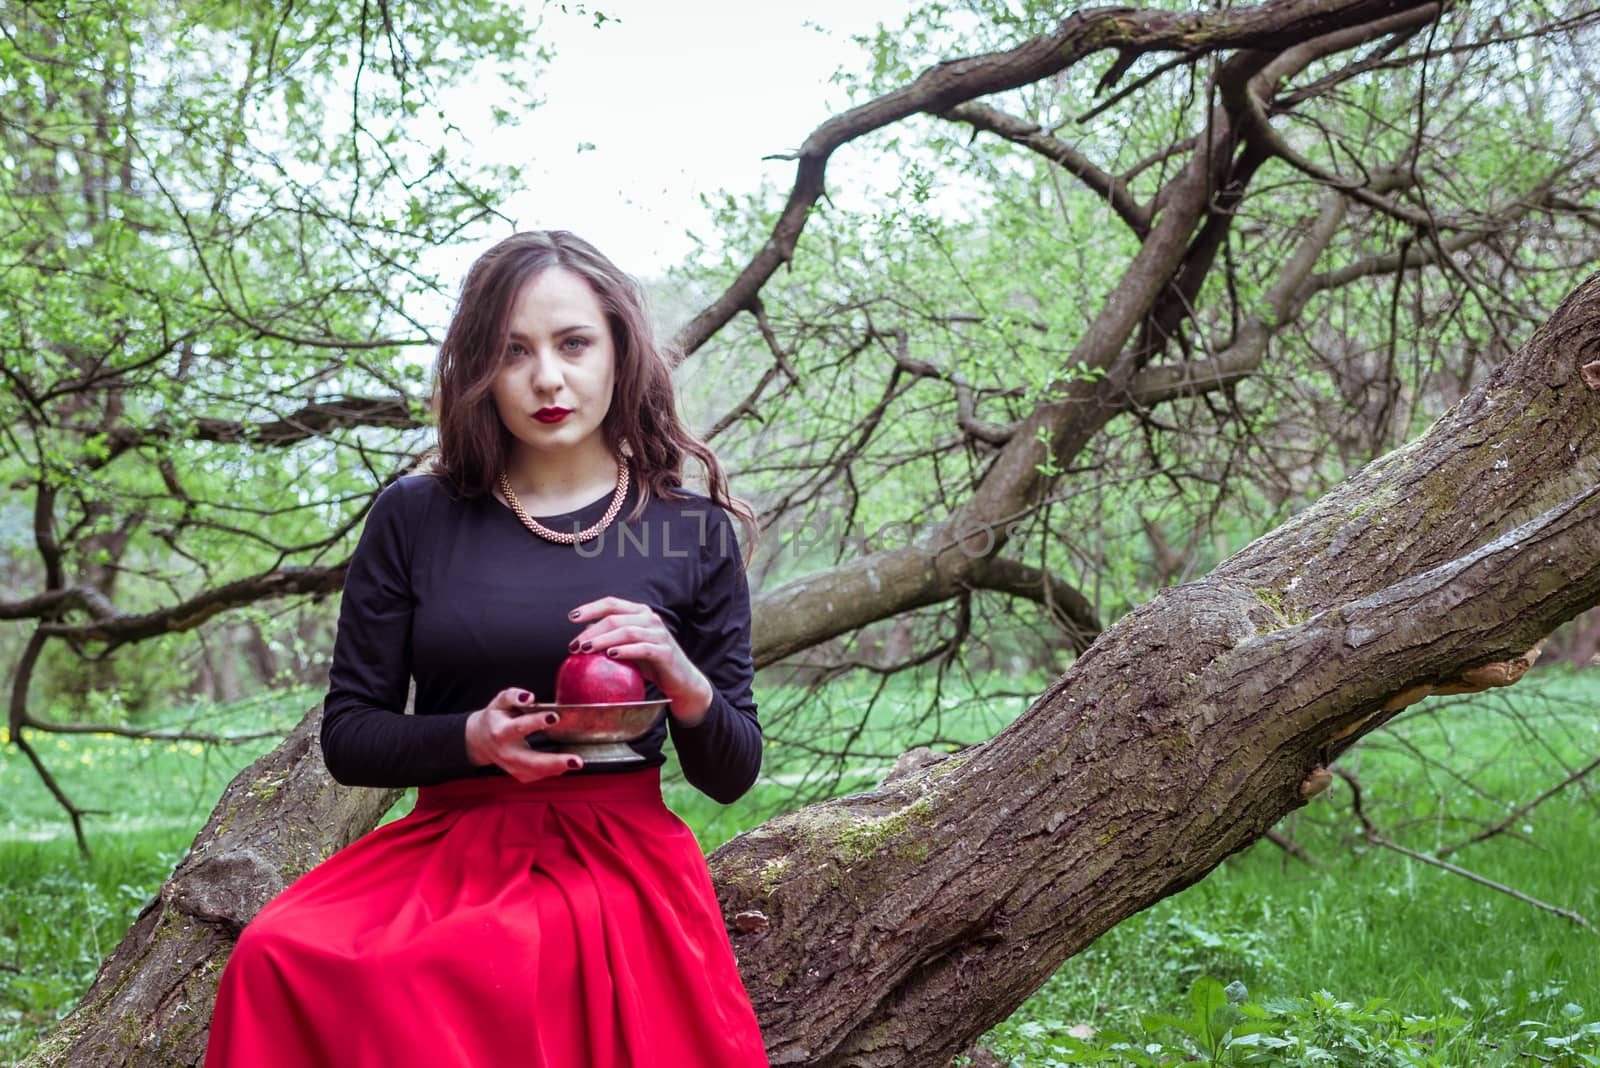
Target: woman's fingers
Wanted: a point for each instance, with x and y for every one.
(604, 606)
(621, 634)
(651, 649)
(525, 764)
(514, 699)
(517, 728)
(498, 734)
(604, 631)
(627, 630)
(530, 765)
(605, 617)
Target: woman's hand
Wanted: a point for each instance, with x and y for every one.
(498, 734)
(634, 632)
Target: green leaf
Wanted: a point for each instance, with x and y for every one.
(1206, 998)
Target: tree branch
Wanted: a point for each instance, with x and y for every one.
(156, 735)
(1071, 609)
(1370, 832)
(317, 419)
(1033, 137)
(1522, 811)
(119, 629)
(52, 603)
(945, 85)
(1253, 117)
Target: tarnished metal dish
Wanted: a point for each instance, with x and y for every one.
(597, 733)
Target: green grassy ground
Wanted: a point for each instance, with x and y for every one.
(1483, 978)
(60, 913)
(1367, 924)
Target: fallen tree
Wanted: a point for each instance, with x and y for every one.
(1183, 734)
(896, 926)
(1179, 737)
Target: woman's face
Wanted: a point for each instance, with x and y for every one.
(554, 388)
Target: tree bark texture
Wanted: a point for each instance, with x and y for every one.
(906, 921)
(150, 1005)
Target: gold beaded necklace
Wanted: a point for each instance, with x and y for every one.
(555, 535)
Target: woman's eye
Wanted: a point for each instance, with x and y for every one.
(575, 344)
(516, 350)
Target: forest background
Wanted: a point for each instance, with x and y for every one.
(1106, 322)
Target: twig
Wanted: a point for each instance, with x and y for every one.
(1378, 839)
(1123, 61)
(153, 735)
(75, 813)
(1524, 810)
(17, 715)
(1292, 848)
(1371, 833)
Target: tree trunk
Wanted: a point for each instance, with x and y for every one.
(150, 1005)
(907, 921)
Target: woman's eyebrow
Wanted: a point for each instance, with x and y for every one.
(515, 333)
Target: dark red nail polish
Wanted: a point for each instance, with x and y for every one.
(587, 646)
(611, 653)
(572, 614)
(572, 646)
(523, 697)
(551, 719)
(574, 763)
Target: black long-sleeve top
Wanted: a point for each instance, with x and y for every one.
(458, 594)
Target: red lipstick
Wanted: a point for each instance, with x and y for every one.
(551, 415)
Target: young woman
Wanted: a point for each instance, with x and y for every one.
(531, 910)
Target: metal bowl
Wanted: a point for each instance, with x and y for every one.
(598, 733)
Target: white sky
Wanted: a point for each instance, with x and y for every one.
(679, 98)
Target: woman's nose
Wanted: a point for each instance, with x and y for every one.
(545, 372)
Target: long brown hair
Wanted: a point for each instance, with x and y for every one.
(642, 422)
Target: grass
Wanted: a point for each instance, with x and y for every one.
(1369, 925)
(1396, 943)
(60, 914)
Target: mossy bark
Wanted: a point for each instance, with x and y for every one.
(906, 921)
(150, 1005)
(1182, 735)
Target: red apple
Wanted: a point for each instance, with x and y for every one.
(596, 679)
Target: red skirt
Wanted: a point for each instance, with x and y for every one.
(568, 923)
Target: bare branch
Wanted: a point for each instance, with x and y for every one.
(74, 813)
(1521, 811)
(155, 735)
(1418, 255)
(1379, 59)
(119, 629)
(1371, 833)
(945, 85)
(1071, 609)
(318, 419)
(1291, 848)
(1254, 119)
(52, 603)
(1034, 138)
